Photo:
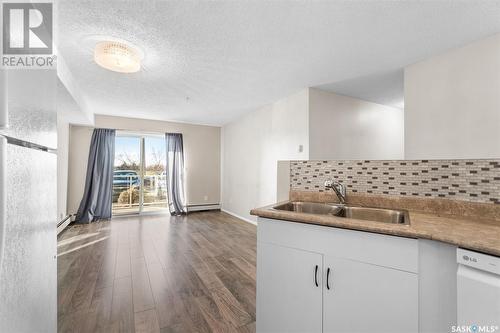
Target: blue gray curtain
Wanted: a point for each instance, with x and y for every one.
(97, 196)
(175, 173)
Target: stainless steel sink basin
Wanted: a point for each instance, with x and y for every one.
(310, 207)
(353, 212)
(376, 214)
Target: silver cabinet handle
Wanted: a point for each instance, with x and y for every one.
(316, 276)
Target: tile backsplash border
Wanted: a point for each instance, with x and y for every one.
(471, 180)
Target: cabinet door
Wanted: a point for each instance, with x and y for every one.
(289, 290)
(368, 298)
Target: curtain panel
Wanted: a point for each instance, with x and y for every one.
(97, 196)
(175, 174)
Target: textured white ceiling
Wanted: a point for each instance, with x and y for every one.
(385, 88)
(209, 62)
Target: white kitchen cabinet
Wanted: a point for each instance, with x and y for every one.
(360, 297)
(289, 289)
(372, 283)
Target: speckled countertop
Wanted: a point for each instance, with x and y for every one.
(479, 234)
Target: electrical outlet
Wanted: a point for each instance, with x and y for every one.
(301, 148)
(205, 198)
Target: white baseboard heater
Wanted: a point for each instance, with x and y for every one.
(61, 225)
(197, 208)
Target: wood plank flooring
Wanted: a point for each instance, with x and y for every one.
(192, 273)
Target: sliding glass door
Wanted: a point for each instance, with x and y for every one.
(139, 180)
(155, 180)
(126, 177)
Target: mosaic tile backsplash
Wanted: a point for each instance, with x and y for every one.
(467, 180)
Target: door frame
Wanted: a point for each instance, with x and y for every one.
(142, 161)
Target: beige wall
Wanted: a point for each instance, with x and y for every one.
(201, 149)
(452, 103)
(342, 127)
(79, 143)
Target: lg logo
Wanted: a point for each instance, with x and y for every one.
(27, 28)
(467, 258)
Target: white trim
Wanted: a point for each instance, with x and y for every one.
(196, 208)
(63, 225)
(239, 217)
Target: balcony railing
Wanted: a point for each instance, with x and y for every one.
(126, 191)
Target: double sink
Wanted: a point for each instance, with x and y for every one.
(347, 211)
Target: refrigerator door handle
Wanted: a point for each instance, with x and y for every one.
(3, 199)
(4, 105)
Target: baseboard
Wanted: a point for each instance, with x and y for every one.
(239, 217)
(196, 208)
(64, 223)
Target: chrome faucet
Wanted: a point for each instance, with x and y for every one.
(339, 189)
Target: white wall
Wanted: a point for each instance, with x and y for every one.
(342, 127)
(252, 145)
(327, 125)
(201, 155)
(68, 111)
(283, 181)
(62, 164)
(452, 103)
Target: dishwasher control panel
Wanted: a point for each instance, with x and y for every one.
(480, 261)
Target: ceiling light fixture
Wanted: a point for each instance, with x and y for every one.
(117, 57)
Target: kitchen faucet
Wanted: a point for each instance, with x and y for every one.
(338, 188)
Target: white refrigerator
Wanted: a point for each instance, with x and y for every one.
(28, 199)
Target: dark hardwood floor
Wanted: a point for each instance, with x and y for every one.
(158, 274)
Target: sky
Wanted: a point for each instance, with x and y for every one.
(131, 145)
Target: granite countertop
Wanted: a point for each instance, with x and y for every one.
(479, 234)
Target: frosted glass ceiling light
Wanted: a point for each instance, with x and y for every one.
(117, 57)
